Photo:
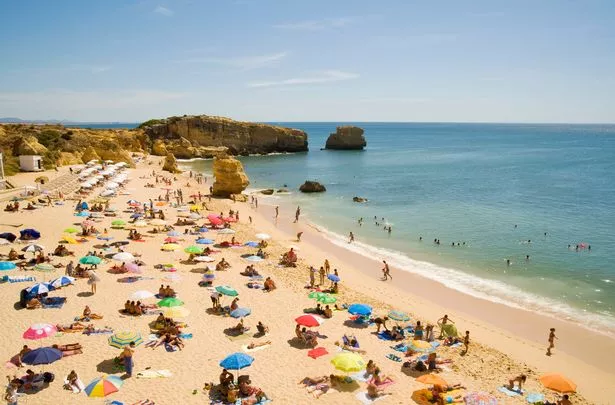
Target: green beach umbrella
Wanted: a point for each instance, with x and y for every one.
(118, 223)
(44, 267)
(170, 302)
(315, 295)
(193, 249)
(71, 230)
(227, 290)
(326, 299)
(95, 260)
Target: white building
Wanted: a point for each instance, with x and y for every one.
(31, 163)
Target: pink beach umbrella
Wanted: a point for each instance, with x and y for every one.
(133, 268)
(87, 223)
(40, 331)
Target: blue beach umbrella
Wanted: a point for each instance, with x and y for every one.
(40, 288)
(202, 230)
(136, 215)
(333, 278)
(173, 233)
(241, 312)
(105, 238)
(7, 266)
(29, 233)
(43, 355)
(251, 244)
(254, 258)
(8, 236)
(236, 361)
(360, 309)
(204, 241)
(62, 281)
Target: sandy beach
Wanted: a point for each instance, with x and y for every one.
(505, 342)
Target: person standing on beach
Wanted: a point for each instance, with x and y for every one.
(466, 341)
(70, 268)
(386, 271)
(126, 357)
(277, 211)
(322, 274)
(351, 237)
(299, 236)
(552, 338)
(312, 276)
(327, 266)
(297, 213)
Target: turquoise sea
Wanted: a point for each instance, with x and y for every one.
(493, 186)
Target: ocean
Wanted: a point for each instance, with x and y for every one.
(501, 191)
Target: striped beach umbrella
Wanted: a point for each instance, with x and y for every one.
(103, 386)
(309, 320)
(62, 281)
(398, 316)
(40, 288)
(122, 339)
(421, 346)
(33, 248)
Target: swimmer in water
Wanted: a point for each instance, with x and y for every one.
(508, 262)
(527, 258)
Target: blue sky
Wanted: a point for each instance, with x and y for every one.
(287, 60)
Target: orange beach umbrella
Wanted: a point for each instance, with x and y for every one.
(432, 379)
(557, 382)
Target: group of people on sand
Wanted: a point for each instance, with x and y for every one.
(12, 207)
(307, 337)
(133, 234)
(232, 390)
(135, 308)
(165, 292)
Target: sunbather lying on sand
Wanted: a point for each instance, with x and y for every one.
(168, 339)
(71, 327)
(255, 345)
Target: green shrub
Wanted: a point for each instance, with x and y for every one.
(149, 123)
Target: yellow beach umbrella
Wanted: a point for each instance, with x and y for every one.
(176, 312)
(170, 247)
(70, 239)
(348, 362)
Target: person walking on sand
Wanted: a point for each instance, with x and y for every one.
(386, 271)
(127, 358)
(552, 338)
(327, 266)
(351, 238)
(299, 236)
(297, 213)
(92, 280)
(277, 211)
(466, 341)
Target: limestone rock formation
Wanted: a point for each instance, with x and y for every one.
(312, 187)
(346, 138)
(267, 191)
(186, 136)
(159, 148)
(282, 190)
(170, 164)
(239, 197)
(89, 154)
(359, 199)
(29, 146)
(229, 177)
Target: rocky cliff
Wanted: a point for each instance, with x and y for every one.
(229, 177)
(346, 138)
(205, 136)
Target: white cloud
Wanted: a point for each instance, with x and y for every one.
(90, 68)
(409, 100)
(323, 77)
(317, 25)
(243, 62)
(163, 11)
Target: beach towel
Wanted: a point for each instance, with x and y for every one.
(80, 386)
(535, 397)
(367, 400)
(236, 338)
(384, 335)
(20, 279)
(255, 349)
(510, 393)
(318, 352)
(54, 302)
(361, 376)
(185, 335)
(383, 384)
(400, 348)
(98, 332)
(154, 374)
(458, 344)
(393, 357)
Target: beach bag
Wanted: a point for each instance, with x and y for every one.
(420, 366)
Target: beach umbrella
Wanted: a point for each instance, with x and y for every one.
(87, 223)
(193, 249)
(251, 244)
(170, 302)
(90, 260)
(170, 239)
(8, 236)
(241, 312)
(131, 201)
(262, 236)
(141, 295)
(39, 331)
(333, 278)
(421, 346)
(118, 223)
(71, 230)
(120, 243)
(226, 231)
(103, 386)
(227, 290)
(40, 288)
(360, 309)
(209, 276)
(158, 222)
(194, 215)
(123, 257)
(204, 241)
(43, 355)
(432, 379)
(254, 258)
(70, 239)
(480, 398)
(176, 312)
(140, 224)
(316, 294)
(133, 268)
(173, 277)
(33, 248)
(170, 247)
(122, 339)
(136, 215)
(173, 233)
(29, 233)
(327, 299)
(208, 259)
(348, 362)
(309, 320)
(236, 361)
(4, 242)
(106, 238)
(62, 281)
(557, 382)
(83, 213)
(7, 266)
(398, 316)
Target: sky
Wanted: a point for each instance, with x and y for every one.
(317, 60)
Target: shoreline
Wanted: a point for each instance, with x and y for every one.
(513, 331)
